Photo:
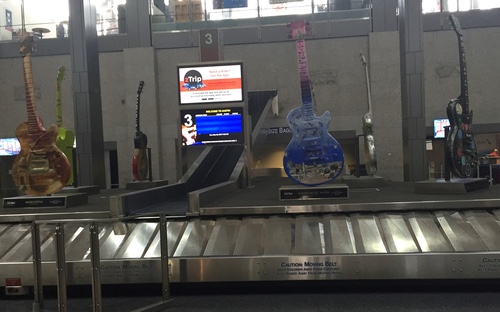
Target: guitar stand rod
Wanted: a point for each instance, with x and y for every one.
(150, 165)
(447, 174)
(74, 165)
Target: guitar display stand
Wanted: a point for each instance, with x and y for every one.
(449, 185)
(323, 191)
(57, 200)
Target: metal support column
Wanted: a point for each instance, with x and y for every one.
(95, 264)
(86, 93)
(61, 268)
(37, 267)
(412, 90)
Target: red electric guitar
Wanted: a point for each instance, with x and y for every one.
(140, 159)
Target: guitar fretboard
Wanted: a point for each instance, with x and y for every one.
(137, 117)
(464, 86)
(305, 82)
(33, 123)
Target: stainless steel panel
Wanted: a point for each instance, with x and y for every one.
(339, 235)
(309, 236)
(111, 240)
(222, 238)
(459, 232)
(486, 226)
(194, 238)
(12, 236)
(427, 232)
(22, 250)
(397, 234)
(78, 244)
(48, 248)
(174, 231)
(367, 234)
(138, 241)
(249, 241)
(279, 236)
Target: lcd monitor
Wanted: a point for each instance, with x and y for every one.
(439, 127)
(9, 146)
(210, 83)
(212, 126)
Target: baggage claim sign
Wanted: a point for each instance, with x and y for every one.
(213, 83)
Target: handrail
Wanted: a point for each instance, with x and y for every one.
(38, 302)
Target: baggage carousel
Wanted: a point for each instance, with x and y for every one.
(225, 233)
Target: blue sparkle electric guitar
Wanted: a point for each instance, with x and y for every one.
(461, 150)
(313, 156)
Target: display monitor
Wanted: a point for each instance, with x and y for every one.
(210, 83)
(439, 125)
(219, 126)
(9, 146)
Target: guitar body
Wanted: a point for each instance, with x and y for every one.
(40, 168)
(461, 150)
(140, 164)
(64, 141)
(370, 155)
(313, 156)
(140, 158)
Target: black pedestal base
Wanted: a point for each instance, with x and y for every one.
(325, 191)
(53, 201)
(363, 181)
(142, 185)
(454, 186)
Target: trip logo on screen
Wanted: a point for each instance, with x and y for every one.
(193, 80)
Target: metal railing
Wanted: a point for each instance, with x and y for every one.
(95, 263)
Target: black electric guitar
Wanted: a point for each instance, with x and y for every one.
(370, 158)
(461, 151)
(140, 159)
(313, 156)
(40, 168)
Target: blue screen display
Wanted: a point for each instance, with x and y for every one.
(222, 126)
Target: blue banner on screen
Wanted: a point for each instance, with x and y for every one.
(221, 126)
(230, 4)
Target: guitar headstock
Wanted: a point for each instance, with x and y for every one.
(26, 43)
(60, 74)
(455, 24)
(298, 29)
(141, 86)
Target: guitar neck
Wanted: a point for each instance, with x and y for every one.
(33, 121)
(464, 87)
(305, 82)
(368, 89)
(59, 118)
(137, 117)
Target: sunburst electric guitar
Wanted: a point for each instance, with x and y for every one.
(140, 159)
(461, 150)
(65, 137)
(40, 168)
(370, 158)
(313, 156)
